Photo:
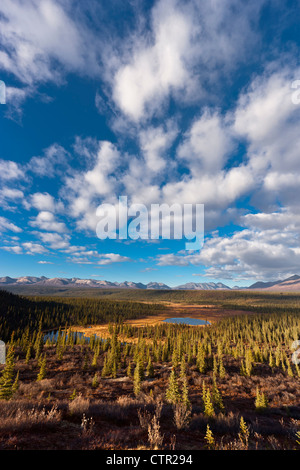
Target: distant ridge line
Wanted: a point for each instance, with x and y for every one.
(290, 284)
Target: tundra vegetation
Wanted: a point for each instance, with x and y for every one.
(231, 385)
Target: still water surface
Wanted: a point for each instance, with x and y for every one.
(187, 321)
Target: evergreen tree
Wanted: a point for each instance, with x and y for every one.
(244, 432)
(222, 370)
(289, 369)
(28, 353)
(106, 370)
(217, 397)
(209, 438)
(201, 360)
(114, 369)
(15, 384)
(7, 380)
(129, 370)
(261, 401)
(150, 369)
(95, 357)
(183, 367)
(95, 381)
(42, 372)
(185, 393)
(271, 360)
(215, 366)
(85, 361)
(140, 369)
(207, 401)
(172, 393)
(137, 379)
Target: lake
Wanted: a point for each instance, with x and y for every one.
(187, 321)
(53, 335)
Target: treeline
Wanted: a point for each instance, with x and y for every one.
(19, 313)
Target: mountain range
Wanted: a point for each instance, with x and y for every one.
(76, 282)
(290, 284)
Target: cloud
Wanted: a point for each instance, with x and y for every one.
(15, 98)
(85, 189)
(283, 220)
(157, 67)
(27, 248)
(207, 145)
(172, 260)
(10, 195)
(54, 162)
(48, 42)
(93, 257)
(55, 241)
(215, 191)
(17, 250)
(34, 248)
(268, 121)
(110, 258)
(45, 220)
(189, 43)
(45, 262)
(6, 224)
(10, 170)
(45, 202)
(155, 143)
(247, 254)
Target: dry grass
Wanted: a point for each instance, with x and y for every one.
(79, 405)
(16, 417)
(182, 416)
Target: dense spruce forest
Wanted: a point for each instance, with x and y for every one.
(231, 385)
(18, 314)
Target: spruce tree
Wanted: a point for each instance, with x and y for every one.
(129, 370)
(7, 380)
(150, 369)
(95, 357)
(28, 353)
(137, 380)
(244, 432)
(172, 393)
(183, 367)
(95, 380)
(207, 401)
(42, 372)
(15, 384)
(217, 397)
(261, 401)
(185, 393)
(106, 368)
(209, 438)
(222, 370)
(201, 360)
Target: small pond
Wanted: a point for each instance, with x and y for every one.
(187, 321)
(53, 335)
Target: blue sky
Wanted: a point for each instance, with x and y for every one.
(166, 102)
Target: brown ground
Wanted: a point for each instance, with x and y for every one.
(114, 408)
